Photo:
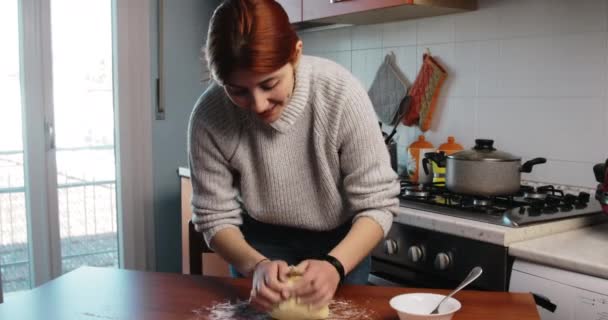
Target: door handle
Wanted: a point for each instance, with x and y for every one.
(336, 1)
(50, 133)
(543, 302)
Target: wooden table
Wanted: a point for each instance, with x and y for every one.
(114, 294)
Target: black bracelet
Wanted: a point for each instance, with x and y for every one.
(337, 264)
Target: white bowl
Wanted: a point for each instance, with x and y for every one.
(418, 306)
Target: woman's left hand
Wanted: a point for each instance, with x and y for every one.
(318, 283)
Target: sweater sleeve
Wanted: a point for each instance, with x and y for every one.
(215, 203)
(370, 183)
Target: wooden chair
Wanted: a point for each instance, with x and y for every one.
(197, 247)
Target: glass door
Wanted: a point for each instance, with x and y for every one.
(83, 113)
(58, 203)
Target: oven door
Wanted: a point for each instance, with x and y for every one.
(416, 257)
(390, 275)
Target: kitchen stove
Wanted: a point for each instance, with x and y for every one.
(532, 204)
(420, 257)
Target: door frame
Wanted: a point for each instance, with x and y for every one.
(133, 113)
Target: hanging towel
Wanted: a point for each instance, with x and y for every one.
(424, 93)
(388, 91)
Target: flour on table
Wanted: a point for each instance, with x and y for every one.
(339, 309)
(227, 310)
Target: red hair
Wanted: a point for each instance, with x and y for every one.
(249, 34)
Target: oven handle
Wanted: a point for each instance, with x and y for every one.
(379, 281)
(544, 302)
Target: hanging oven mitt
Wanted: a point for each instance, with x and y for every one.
(424, 93)
(387, 91)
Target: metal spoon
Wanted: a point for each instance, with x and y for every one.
(474, 274)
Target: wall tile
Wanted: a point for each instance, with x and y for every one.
(365, 63)
(570, 65)
(338, 39)
(477, 25)
(312, 41)
(367, 37)
(522, 18)
(402, 33)
(489, 68)
(341, 57)
(435, 30)
(563, 172)
(566, 16)
(563, 129)
(453, 117)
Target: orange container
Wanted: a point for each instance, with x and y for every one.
(451, 146)
(415, 153)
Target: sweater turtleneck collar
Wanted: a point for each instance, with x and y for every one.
(299, 99)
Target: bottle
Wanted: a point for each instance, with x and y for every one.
(451, 146)
(415, 153)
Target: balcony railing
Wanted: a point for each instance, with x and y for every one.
(87, 220)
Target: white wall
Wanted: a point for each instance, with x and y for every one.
(530, 74)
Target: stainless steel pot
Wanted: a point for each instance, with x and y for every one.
(485, 171)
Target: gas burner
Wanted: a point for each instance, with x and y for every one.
(530, 205)
(482, 202)
(416, 192)
(535, 195)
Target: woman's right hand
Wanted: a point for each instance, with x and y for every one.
(269, 284)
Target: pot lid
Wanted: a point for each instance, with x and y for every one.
(484, 151)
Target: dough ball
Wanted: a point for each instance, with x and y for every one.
(290, 310)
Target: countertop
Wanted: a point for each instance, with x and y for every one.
(491, 233)
(583, 250)
(115, 294)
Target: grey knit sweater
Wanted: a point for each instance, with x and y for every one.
(322, 163)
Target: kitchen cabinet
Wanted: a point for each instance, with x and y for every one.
(293, 9)
(210, 263)
(379, 11)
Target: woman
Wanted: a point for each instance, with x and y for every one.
(287, 162)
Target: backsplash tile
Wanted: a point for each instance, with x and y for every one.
(367, 37)
(435, 30)
(577, 16)
(569, 65)
(565, 129)
(365, 63)
(401, 33)
(454, 116)
(342, 57)
(531, 74)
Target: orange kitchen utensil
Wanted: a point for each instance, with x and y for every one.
(451, 146)
(415, 153)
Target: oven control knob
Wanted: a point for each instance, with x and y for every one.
(390, 247)
(442, 261)
(415, 254)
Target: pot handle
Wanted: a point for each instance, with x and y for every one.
(599, 171)
(527, 166)
(425, 165)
